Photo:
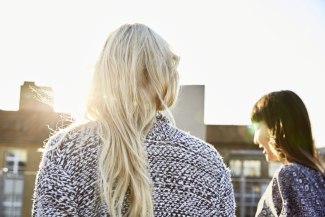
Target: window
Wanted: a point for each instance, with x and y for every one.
(15, 160)
(12, 182)
(247, 168)
(13, 192)
(235, 167)
(252, 168)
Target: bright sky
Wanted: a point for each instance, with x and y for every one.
(239, 49)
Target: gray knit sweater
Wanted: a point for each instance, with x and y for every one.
(189, 176)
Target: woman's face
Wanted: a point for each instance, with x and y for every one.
(262, 139)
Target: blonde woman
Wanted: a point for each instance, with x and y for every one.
(129, 160)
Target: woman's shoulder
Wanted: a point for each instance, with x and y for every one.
(66, 137)
(72, 143)
(197, 145)
(296, 173)
(301, 189)
(168, 140)
(295, 169)
(165, 132)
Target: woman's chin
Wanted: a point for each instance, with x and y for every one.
(270, 159)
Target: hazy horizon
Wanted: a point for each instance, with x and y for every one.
(239, 50)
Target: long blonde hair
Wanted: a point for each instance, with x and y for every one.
(134, 78)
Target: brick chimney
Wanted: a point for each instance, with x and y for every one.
(35, 98)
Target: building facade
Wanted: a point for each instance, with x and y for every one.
(189, 110)
(249, 170)
(22, 136)
(23, 133)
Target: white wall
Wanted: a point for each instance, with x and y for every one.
(189, 110)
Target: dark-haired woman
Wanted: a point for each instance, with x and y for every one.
(283, 130)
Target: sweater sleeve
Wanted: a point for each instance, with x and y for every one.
(226, 202)
(54, 193)
(292, 192)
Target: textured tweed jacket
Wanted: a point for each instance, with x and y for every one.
(189, 176)
(294, 191)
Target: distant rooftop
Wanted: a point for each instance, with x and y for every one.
(33, 97)
(229, 134)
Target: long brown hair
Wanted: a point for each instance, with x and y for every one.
(287, 117)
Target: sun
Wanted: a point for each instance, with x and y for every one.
(71, 100)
